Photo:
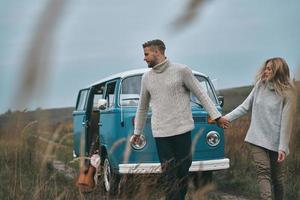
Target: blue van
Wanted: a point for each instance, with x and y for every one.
(105, 111)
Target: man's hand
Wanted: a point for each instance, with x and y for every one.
(223, 122)
(281, 156)
(135, 139)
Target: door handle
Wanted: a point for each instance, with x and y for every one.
(85, 123)
(100, 124)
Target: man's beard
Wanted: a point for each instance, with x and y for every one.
(152, 63)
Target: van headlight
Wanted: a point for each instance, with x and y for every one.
(213, 138)
(138, 145)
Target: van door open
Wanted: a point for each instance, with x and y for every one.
(81, 117)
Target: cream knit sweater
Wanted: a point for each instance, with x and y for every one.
(167, 86)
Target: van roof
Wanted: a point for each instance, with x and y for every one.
(131, 73)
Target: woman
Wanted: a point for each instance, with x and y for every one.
(272, 104)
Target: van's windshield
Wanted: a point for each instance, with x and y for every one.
(131, 86)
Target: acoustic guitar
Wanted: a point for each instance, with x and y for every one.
(86, 181)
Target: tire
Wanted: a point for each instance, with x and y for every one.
(111, 180)
(201, 179)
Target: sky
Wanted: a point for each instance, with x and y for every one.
(227, 40)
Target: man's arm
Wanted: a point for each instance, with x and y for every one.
(194, 86)
(141, 113)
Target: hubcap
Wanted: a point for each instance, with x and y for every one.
(107, 174)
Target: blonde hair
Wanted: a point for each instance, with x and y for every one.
(280, 77)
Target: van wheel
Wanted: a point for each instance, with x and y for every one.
(201, 179)
(111, 180)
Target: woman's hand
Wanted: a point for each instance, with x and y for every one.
(281, 156)
(223, 122)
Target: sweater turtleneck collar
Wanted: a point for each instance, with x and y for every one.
(161, 67)
(269, 85)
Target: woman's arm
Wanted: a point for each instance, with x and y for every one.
(286, 125)
(243, 108)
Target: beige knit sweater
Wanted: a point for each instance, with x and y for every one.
(167, 86)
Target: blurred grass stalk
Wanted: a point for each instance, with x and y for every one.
(189, 14)
(37, 62)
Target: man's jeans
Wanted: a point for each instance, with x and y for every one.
(269, 172)
(175, 157)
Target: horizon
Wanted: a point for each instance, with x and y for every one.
(73, 106)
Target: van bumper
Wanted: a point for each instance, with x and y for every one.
(146, 168)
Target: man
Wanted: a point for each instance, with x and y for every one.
(168, 86)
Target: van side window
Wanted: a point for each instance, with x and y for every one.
(82, 100)
(98, 94)
(130, 92)
(110, 94)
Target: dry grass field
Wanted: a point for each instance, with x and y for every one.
(31, 141)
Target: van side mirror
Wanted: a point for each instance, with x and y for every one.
(102, 104)
(221, 100)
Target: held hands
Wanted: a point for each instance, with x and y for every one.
(223, 122)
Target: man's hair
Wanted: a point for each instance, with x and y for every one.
(156, 43)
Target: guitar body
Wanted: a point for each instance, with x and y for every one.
(86, 182)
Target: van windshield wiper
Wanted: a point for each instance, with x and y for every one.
(200, 105)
